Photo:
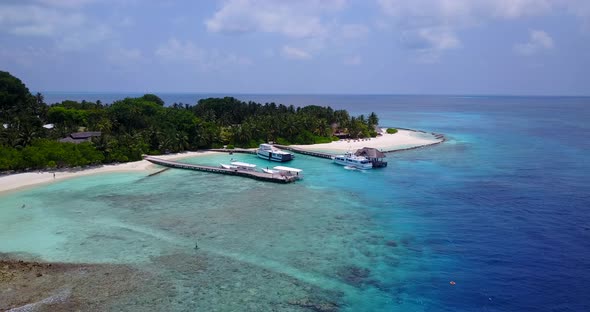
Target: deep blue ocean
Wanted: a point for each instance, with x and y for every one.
(502, 208)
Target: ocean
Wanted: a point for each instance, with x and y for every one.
(497, 218)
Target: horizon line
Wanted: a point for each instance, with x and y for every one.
(318, 93)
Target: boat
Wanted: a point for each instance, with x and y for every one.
(271, 171)
(375, 156)
(224, 166)
(351, 160)
(243, 166)
(288, 171)
(284, 171)
(269, 152)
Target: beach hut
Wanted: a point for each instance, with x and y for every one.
(374, 155)
(79, 137)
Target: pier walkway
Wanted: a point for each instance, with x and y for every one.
(233, 150)
(305, 152)
(261, 176)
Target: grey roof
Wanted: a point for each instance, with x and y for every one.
(70, 140)
(85, 135)
(370, 152)
(79, 137)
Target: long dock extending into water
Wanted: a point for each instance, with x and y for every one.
(261, 176)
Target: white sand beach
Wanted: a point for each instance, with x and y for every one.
(386, 142)
(22, 180)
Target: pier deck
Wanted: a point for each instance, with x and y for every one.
(261, 176)
(305, 152)
(233, 150)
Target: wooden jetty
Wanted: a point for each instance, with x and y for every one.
(233, 150)
(261, 176)
(305, 152)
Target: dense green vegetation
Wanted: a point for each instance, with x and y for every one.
(391, 130)
(135, 126)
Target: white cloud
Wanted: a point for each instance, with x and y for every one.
(37, 20)
(176, 51)
(353, 60)
(351, 31)
(127, 21)
(295, 19)
(538, 41)
(59, 20)
(123, 56)
(24, 56)
(65, 3)
(461, 11)
(439, 38)
(311, 25)
(295, 53)
(433, 25)
(457, 13)
(518, 8)
(84, 38)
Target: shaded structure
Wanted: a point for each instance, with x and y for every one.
(79, 137)
(373, 155)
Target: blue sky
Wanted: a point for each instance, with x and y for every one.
(538, 47)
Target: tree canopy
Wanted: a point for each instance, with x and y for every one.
(144, 125)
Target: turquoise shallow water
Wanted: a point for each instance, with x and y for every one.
(501, 208)
(320, 231)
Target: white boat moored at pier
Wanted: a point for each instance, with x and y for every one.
(288, 171)
(351, 160)
(269, 152)
(242, 165)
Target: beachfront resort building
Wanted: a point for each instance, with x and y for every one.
(79, 137)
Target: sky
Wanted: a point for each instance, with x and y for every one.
(487, 47)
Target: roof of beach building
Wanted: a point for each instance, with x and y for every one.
(79, 137)
(85, 135)
(70, 140)
(370, 152)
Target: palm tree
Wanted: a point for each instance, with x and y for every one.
(373, 120)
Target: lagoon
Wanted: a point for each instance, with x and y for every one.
(500, 208)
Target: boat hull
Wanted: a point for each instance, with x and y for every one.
(353, 162)
(279, 157)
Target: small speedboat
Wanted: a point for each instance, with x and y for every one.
(224, 166)
(243, 166)
(288, 171)
(271, 171)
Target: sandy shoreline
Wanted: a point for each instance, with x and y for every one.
(28, 179)
(403, 139)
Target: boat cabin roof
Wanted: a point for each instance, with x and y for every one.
(283, 168)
